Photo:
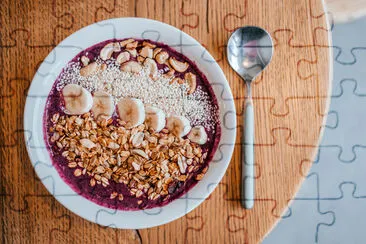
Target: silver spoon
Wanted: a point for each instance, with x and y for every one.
(249, 51)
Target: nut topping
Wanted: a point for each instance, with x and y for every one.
(85, 60)
(146, 52)
(125, 42)
(131, 66)
(107, 50)
(90, 69)
(133, 52)
(132, 45)
(123, 57)
(177, 65)
(148, 44)
(191, 80)
(153, 68)
(156, 51)
(162, 57)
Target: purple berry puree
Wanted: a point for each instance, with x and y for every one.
(100, 194)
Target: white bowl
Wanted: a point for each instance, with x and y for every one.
(42, 84)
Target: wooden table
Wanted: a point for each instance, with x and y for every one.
(291, 99)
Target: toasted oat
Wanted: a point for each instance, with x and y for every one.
(113, 195)
(120, 197)
(77, 172)
(146, 162)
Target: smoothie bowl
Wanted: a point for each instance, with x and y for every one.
(130, 123)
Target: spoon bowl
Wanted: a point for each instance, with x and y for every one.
(249, 50)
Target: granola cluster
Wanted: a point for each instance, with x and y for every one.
(148, 163)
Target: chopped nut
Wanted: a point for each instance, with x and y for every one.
(120, 197)
(177, 65)
(156, 51)
(90, 69)
(131, 66)
(133, 52)
(85, 60)
(140, 59)
(153, 68)
(113, 195)
(148, 44)
(123, 57)
(107, 50)
(191, 80)
(146, 52)
(162, 57)
(132, 45)
(125, 42)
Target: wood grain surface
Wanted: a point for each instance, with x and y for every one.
(290, 99)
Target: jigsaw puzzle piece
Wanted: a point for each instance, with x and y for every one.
(40, 221)
(350, 46)
(304, 36)
(349, 207)
(27, 17)
(328, 157)
(17, 82)
(18, 178)
(353, 72)
(85, 13)
(234, 221)
(186, 18)
(300, 86)
(313, 221)
(81, 228)
(347, 135)
(275, 172)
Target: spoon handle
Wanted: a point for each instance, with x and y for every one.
(247, 183)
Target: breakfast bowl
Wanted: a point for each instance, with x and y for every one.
(100, 167)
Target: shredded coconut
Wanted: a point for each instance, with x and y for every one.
(171, 98)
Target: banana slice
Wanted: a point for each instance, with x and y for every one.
(198, 135)
(132, 111)
(103, 105)
(77, 99)
(155, 118)
(178, 125)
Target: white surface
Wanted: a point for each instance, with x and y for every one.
(43, 81)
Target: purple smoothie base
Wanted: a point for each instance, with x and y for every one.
(100, 194)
